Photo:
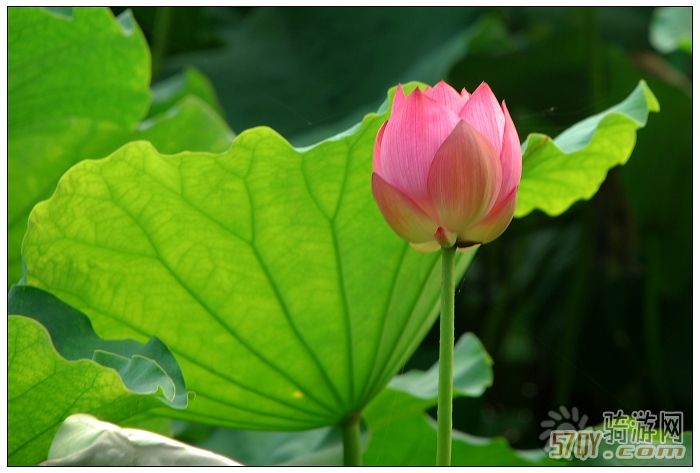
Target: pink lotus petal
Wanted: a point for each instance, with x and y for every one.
(464, 94)
(402, 214)
(464, 179)
(399, 99)
(511, 156)
(376, 158)
(490, 227)
(483, 113)
(447, 96)
(416, 129)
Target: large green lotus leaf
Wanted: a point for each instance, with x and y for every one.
(268, 270)
(557, 173)
(64, 368)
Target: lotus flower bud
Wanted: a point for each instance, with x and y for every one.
(447, 167)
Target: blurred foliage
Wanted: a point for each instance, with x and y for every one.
(309, 72)
(592, 309)
(671, 29)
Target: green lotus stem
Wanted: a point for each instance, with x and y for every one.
(352, 449)
(446, 360)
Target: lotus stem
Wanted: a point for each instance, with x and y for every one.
(446, 360)
(352, 448)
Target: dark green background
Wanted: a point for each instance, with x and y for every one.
(591, 309)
